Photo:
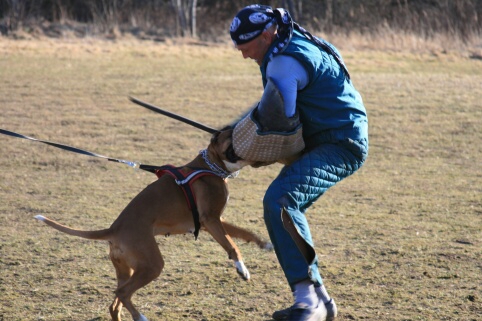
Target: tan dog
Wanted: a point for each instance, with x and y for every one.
(161, 209)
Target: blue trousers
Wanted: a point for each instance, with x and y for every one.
(297, 186)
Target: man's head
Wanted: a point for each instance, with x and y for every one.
(253, 30)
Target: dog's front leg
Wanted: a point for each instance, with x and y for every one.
(216, 229)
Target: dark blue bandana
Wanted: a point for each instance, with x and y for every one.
(250, 22)
(284, 31)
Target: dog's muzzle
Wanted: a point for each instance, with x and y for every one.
(231, 154)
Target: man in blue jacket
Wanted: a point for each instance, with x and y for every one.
(315, 87)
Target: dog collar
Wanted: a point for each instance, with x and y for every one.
(218, 170)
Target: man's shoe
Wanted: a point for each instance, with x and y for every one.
(332, 312)
(281, 315)
(300, 312)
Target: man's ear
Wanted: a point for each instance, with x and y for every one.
(266, 36)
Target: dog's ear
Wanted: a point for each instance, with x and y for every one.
(228, 127)
(214, 137)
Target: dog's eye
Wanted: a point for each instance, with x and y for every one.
(231, 155)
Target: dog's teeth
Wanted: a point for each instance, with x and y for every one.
(40, 217)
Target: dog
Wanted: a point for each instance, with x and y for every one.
(161, 209)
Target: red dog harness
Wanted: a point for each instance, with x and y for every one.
(185, 182)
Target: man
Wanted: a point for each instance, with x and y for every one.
(315, 87)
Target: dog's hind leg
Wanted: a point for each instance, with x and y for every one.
(123, 273)
(243, 234)
(216, 229)
(145, 263)
(115, 309)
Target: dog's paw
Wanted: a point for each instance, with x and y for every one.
(40, 217)
(242, 270)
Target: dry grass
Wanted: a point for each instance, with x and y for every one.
(400, 240)
(390, 40)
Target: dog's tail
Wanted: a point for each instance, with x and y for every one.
(92, 235)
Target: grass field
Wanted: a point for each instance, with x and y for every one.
(399, 240)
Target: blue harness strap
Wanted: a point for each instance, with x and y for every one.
(185, 183)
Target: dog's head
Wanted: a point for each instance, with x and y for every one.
(222, 146)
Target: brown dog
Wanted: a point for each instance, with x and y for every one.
(161, 209)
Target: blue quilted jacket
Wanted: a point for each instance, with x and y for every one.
(330, 107)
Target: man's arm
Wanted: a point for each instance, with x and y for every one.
(289, 75)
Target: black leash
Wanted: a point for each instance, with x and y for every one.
(175, 116)
(135, 165)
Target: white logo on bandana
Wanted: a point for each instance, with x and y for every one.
(235, 24)
(258, 18)
(249, 35)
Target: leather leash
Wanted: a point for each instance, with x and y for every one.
(175, 116)
(135, 165)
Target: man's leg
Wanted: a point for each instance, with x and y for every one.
(295, 189)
